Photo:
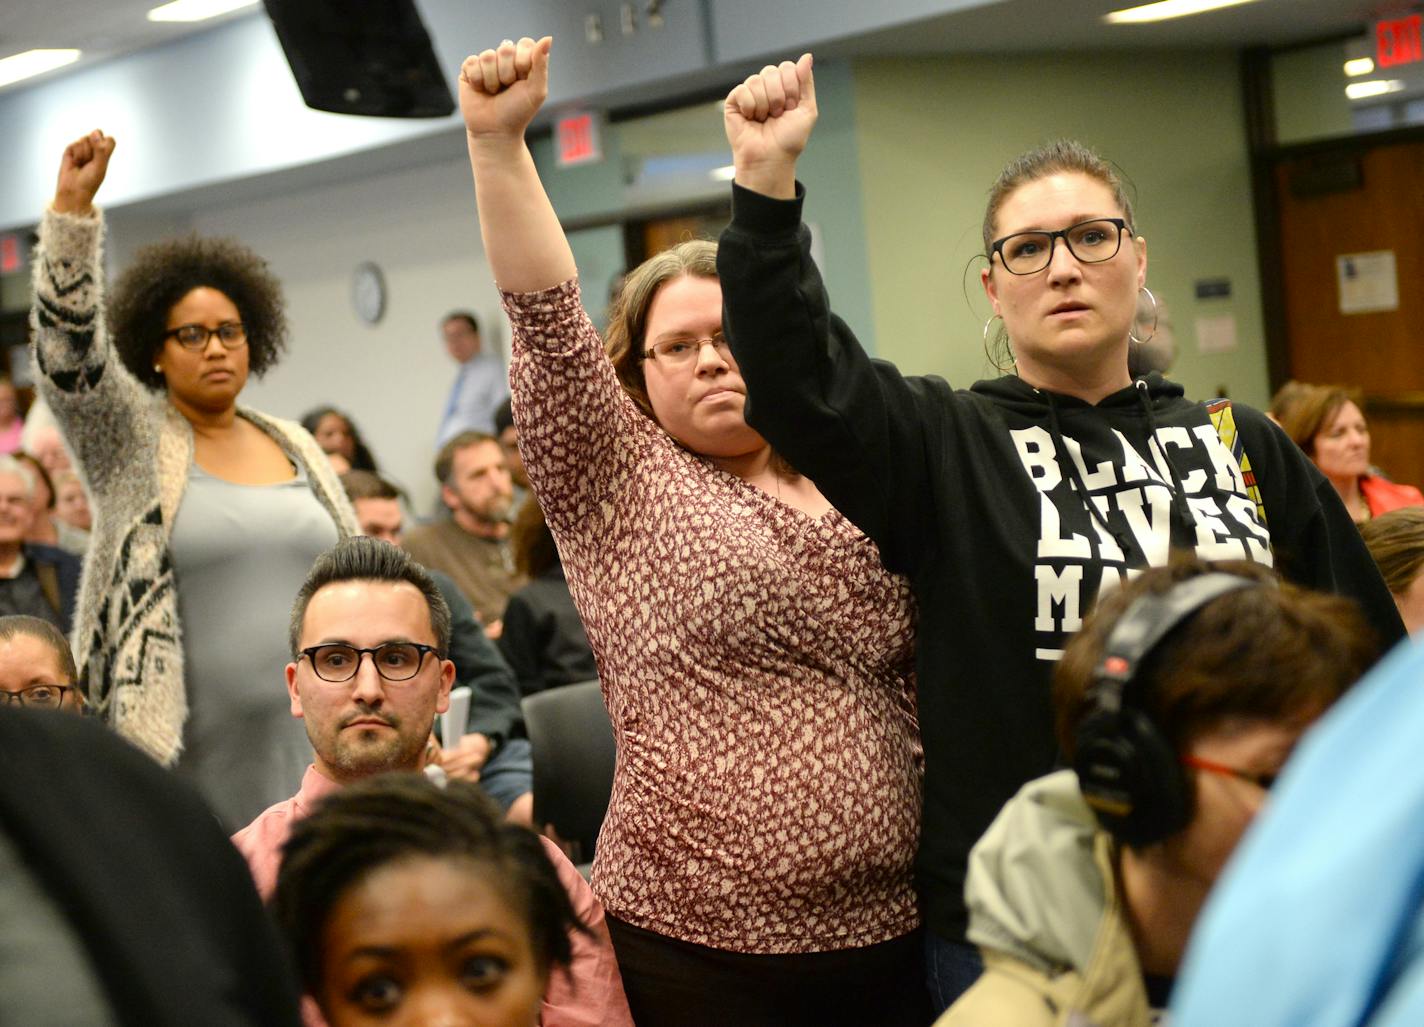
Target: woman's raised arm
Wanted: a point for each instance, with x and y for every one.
(500, 92)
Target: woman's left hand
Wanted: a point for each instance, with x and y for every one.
(768, 119)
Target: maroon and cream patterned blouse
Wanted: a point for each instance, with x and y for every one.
(757, 664)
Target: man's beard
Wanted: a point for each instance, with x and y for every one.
(352, 757)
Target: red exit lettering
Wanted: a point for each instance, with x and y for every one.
(1398, 42)
(577, 138)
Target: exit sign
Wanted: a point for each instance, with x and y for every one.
(1397, 41)
(576, 139)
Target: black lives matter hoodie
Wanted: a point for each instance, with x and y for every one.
(1010, 510)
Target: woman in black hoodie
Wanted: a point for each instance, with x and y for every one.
(1010, 505)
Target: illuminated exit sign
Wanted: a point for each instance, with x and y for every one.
(1397, 41)
(576, 139)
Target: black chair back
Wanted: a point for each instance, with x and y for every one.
(573, 751)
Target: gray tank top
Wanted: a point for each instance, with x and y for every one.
(240, 553)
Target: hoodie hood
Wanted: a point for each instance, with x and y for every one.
(1015, 394)
(1034, 890)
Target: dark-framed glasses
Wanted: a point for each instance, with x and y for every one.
(39, 697)
(683, 351)
(1261, 781)
(394, 661)
(231, 334)
(1092, 242)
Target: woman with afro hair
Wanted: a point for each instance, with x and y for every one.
(207, 515)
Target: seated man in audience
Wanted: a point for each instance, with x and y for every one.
(36, 666)
(121, 899)
(369, 634)
(1177, 705)
(493, 750)
(35, 580)
(472, 546)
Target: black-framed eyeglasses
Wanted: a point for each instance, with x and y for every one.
(1092, 242)
(394, 661)
(231, 334)
(1261, 781)
(680, 352)
(42, 697)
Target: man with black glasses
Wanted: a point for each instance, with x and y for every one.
(370, 634)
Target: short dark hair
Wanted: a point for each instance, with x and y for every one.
(445, 459)
(164, 272)
(43, 631)
(461, 315)
(361, 558)
(367, 485)
(531, 540)
(392, 817)
(1270, 654)
(504, 416)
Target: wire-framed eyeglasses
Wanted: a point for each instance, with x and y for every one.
(1091, 242)
(683, 351)
(1261, 781)
(42, 697)
(394, 661)
(231, 334)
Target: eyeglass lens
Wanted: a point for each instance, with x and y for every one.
(229, 333)
(1091, 242)
(394, 661)
(681, 351)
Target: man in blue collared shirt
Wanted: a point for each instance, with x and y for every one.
(481, 384)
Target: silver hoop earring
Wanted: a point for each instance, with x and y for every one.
(992, 319)
(1153, 333)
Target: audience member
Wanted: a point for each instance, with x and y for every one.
(1396, 541)
(41, 437)
(46, 528)
(336, 434)
(508, 436)
(409, 903)
(472, 545)
(543, 640)
(122, 901)
(756, 658)
(365, 601)
(480, 385)
(35, 579)
(209, 513)
(1177, 704)
(71, 502)
(1319, 919)
(36, 667)
(1012, 504)
(1283, 403)
(12, 425)
(493, 750)
(1327, 424)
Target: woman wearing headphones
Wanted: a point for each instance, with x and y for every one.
(1193, 684)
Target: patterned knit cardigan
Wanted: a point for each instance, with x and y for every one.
(133, 450)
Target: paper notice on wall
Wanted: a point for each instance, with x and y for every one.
(1367, 282)
(1216, 334)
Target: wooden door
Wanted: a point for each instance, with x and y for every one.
(1358, 199)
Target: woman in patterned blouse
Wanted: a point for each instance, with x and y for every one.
(756, 658)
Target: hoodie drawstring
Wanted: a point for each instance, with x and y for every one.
(1179, 494)
(1060, 449)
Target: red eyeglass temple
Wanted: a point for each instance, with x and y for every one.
(1197, 763)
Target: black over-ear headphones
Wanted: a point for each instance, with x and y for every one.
(1127, 769)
